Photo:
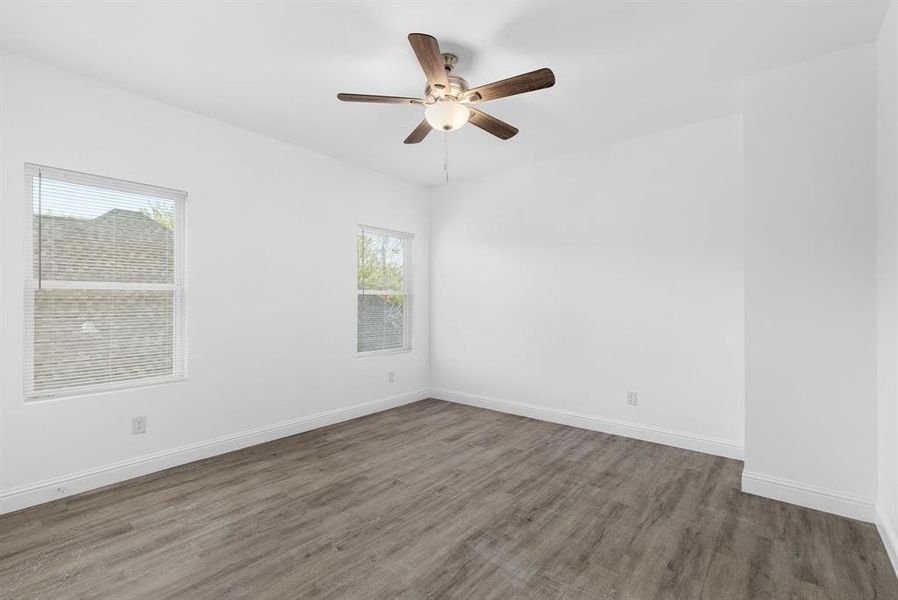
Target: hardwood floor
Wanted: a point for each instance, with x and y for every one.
(437, 500)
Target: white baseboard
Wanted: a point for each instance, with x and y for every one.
(75, 483)
(889, 536)
(810, 496)
(668, 437)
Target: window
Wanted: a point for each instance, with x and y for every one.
(383, 290)
(105, 290)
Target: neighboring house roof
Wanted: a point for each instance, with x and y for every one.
(119, 245)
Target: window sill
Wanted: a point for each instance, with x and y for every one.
(39, 397)
(383, 352)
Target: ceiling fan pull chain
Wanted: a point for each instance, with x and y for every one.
(446, 155)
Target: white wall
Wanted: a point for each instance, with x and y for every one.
(887, 276)
(810, 289)
(564, 283)
(271, 300)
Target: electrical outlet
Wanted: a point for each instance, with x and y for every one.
(631, 398)
(138, 425)
(391, 377)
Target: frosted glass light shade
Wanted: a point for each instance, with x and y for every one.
(447, 114)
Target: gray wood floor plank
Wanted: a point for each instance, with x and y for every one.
(436, 500)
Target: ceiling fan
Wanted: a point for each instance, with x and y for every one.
(448, 100)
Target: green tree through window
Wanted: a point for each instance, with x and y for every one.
(382, 284)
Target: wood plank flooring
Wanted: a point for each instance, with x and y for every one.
(437, 500)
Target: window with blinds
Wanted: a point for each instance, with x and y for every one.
(384, 268)
(105, 288)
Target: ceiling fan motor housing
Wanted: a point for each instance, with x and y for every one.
(457, 84)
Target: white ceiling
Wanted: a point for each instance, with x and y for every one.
(622, 68)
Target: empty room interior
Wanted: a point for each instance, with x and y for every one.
(480, 300)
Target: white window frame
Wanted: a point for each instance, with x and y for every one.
(179, 287)
(406, 284)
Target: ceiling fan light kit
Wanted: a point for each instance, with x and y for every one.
(448, 100)
(447, 114)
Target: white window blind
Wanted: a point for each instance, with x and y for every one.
(384, 306)
(105, 289)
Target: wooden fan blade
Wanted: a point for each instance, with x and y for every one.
(520, 84)
(427, 49)
(490, 124)
(419, 133)
(378, 99)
